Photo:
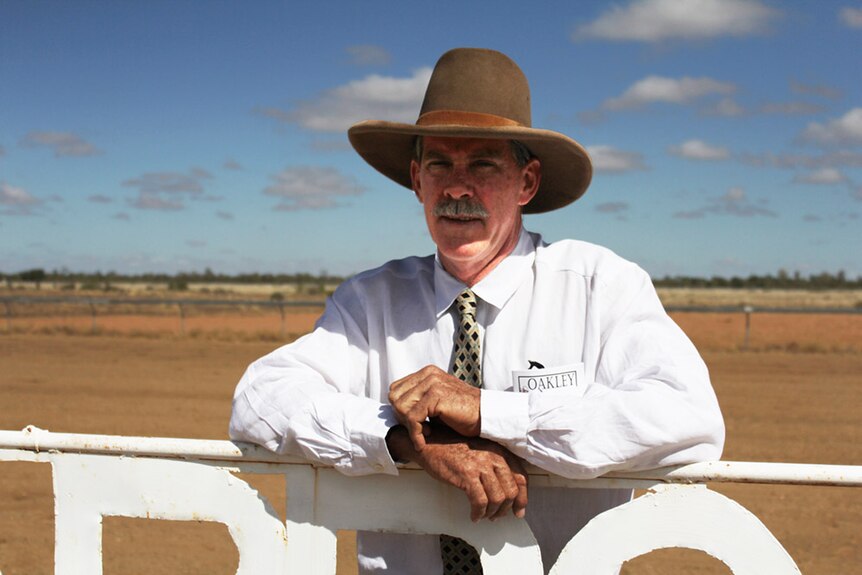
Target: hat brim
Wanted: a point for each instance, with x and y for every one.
(566, 166)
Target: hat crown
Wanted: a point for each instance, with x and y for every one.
(480, 81)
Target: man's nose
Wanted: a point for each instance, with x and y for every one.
(459, 184)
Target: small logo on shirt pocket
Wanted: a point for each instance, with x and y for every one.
(567, 379)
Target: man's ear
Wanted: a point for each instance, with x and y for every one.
(414, 180)
(532, 174)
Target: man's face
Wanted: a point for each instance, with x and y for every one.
(472, 191)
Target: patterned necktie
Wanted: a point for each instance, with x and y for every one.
(459, 557)
(466, 364)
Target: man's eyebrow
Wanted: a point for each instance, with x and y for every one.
(434, 155)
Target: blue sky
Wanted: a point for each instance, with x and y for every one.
(178, 135)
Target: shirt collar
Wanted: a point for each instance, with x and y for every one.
(497, 287)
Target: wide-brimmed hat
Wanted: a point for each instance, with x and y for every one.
(477, 93)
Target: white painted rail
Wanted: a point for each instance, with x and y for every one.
(160, 478)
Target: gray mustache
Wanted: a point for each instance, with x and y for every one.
(460, 208)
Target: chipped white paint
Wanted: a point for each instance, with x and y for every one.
(158, 478)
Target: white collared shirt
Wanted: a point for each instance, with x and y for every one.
(645, 399)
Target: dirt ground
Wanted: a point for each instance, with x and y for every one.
(801, 405)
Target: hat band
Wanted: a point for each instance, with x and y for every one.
(455, 117)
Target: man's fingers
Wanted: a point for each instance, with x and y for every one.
(416, 420)
(519, 506)
(478, 499)
(416, 431)
(510, 491)
(498, 503)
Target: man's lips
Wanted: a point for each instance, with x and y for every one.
(461, 219)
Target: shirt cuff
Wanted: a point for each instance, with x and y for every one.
(505, 416)
(369, 432)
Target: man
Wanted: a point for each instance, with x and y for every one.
(499, 350)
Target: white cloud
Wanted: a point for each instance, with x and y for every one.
(150, 201)
(851, 17)
(99, 199)
(373, 97)
(64, 144)
(699, 150)
(613, 160)
(16, 201)
(822, 177)
(815, 90)
(846, 130)
(311, 188)
(168, 182)
(791, 161)
(654, 89)
(726, 107)
(224, 215)
(369, 55)
(160, 190)
(612, 207)
(733, 203)
(12, 196)
(658, 20)
(231, 164)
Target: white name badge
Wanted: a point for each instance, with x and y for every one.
(564, 378)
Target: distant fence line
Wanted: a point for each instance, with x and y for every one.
(181, 304)
(748, 310)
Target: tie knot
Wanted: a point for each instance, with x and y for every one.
(466, 301)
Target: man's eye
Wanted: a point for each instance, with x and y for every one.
(484, 164)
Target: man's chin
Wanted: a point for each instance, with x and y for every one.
(462, 251)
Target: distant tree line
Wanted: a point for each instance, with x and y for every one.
(181, 280)
(781, 280)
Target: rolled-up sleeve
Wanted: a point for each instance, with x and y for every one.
(307, 398)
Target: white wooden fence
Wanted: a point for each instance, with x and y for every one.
(158, 478)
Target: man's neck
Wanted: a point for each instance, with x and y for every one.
(472, 272)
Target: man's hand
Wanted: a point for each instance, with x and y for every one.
(492, 477)
(431, 392)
